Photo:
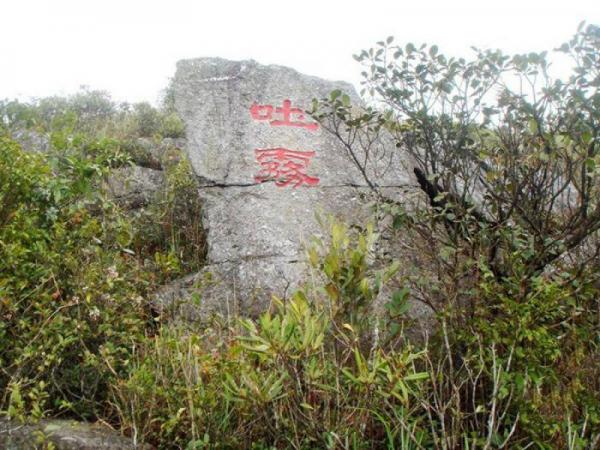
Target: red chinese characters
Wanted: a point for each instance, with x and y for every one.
(284, 166)
(286, 116)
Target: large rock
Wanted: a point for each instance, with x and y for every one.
(265, 171)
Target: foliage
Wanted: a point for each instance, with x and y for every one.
(350, 284)
(172, 223)
(517, 370)
(506, 253)
(301, 376)
(503, 248)
(93, 114)
(70, 311)
(489, 155)
(73, 281)
(297, 377)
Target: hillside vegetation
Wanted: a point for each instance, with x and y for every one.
(506, 254)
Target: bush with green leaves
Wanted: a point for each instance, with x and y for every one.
(91, 113)
(297, 377)
(66, 308)
(172, 223)
(70, 293)
(504, 246)
(76, 269)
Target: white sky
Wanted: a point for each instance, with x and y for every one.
(129, 48)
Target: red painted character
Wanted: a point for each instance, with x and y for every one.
(285, 167)
(265, 112)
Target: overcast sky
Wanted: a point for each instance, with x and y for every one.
(129, 48)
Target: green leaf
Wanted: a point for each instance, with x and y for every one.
(417, 376)
(533, 126)
(51, 428)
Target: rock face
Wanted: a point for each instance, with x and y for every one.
(63, 434)
(265, 170)
(31, 141)
(134, 186)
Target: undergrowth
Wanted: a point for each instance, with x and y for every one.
(508, 364)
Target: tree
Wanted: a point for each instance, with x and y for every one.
(507, 159)
(497, 144)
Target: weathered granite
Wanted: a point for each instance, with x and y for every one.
(256, 231)
(134, 186)
(157, 155)
(247, 271)
(63, 434)
(31, 141)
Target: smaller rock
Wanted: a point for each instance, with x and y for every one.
(172, 150)
(32, 141)
(134, 186)
(150, 153)
(194, 298)
(63, 434)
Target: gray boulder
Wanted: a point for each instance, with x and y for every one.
(134, 186)
(31, 141)
(265, 169)
(157, 155)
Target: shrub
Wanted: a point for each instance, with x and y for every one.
(172, 126)
(297, 377)
(94, 114)
(505, 249)
(69, 293)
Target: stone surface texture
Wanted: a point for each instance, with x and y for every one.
(63, 434)
(256, 232)
(134, 186)
(32, 141)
